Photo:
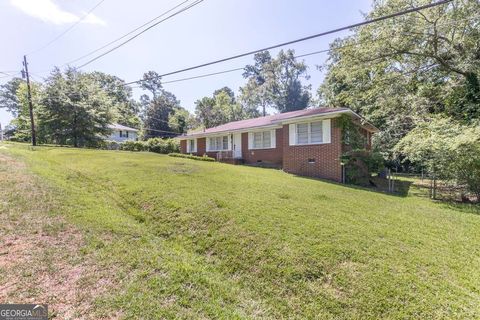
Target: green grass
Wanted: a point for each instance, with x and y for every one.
(193, 239)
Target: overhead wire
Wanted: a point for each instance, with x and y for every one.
(197, 2)
(67, 30)
(348, 27)
(125, 35)
(297, 56)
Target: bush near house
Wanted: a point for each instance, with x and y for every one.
(156, 145)
(189, 156)
(360, 165)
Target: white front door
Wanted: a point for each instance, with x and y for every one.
(237, 145)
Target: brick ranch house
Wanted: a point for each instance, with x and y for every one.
(305, 142)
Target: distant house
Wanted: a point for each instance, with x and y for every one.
(122, 133)
(305, 142)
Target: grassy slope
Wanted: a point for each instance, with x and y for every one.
(196, 239)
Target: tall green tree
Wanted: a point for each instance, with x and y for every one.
(75, 109)
(180, 120)
(8, 96)
(157, 113)
(400, 71)
(220, 109)
(126, 110)
(276, 82)
(21, 122)
(152, 82)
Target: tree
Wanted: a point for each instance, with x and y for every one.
(287, 91)
(401, 71)
(152, 82)
(204, 111)
(448, 150)
(157, 113)
(228, 91)
(180, 120)
(276, 83)
(219, 109)
(126, 110)
(21, 122)
(8, 96)
(75, 109)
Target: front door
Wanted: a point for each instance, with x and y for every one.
(237, 145)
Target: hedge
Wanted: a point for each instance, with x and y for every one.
(189, 156)
(156, 145)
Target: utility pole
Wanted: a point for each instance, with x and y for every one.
(30, 104)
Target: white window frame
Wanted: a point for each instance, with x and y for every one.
(326, 133)
(229, 143)
(189, 147)
(273, 139)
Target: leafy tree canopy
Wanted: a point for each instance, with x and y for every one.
(74, 109)
(275, 82)
(220, 109)
(400, 71)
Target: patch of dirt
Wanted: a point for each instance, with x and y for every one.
(41, 260)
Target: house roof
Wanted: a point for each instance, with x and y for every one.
(272, 120)
(116, 126)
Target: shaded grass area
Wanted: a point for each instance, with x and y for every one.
(192, 239)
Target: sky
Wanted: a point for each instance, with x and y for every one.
(212, 30)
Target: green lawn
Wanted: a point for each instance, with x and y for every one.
(193, 239)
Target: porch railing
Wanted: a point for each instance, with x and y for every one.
(224, 155)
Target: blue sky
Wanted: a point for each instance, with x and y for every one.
(211, 30)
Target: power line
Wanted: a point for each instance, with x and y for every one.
(389, 16)
(298, 56)
(68, 29)
(143, 31)
(125, 35)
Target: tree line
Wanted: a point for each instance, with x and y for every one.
(75, 108)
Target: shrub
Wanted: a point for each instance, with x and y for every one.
(164, 146)
(133, 146)
(360, 164)
(109, 145)
(189, 156)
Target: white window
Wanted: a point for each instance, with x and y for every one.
(261, 139)
(191, 145)
(315, 132)
(218, 143)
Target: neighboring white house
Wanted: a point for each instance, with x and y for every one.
(122, 133)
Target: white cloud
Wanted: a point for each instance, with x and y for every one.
(48, 11)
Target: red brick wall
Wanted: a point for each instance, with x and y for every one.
(183, 146)
(327, 157)
(274, 156)
(201, 146)
(294, 159)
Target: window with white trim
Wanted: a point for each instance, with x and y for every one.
(191, 145)
(309, 133)
(218, 143)
(261, 139)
